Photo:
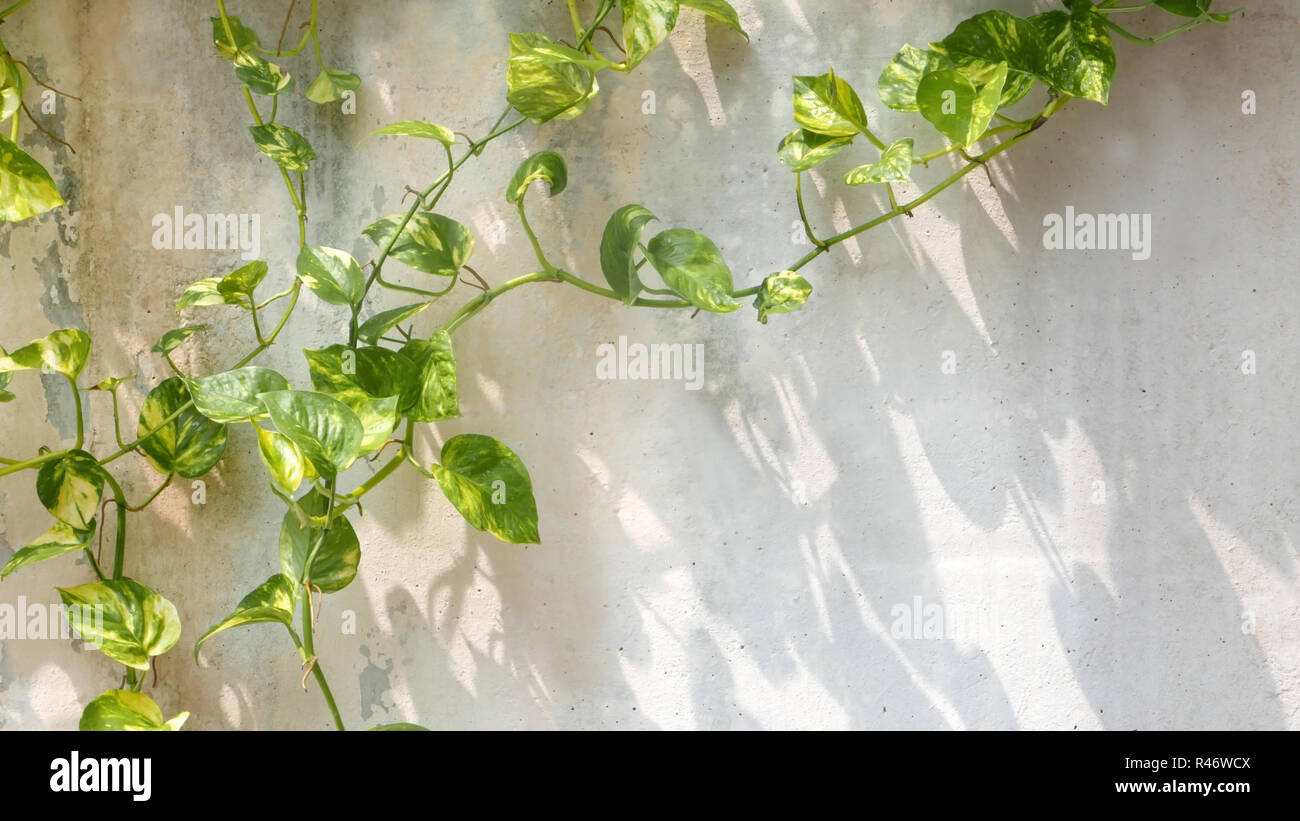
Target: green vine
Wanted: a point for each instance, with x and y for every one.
(385, 377)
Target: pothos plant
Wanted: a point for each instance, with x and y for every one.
(373, 389)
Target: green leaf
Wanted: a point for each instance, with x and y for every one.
(1078, 57)
(274, 600)
(260, 76)
(401, 726)
(245, 38)
(71, 488)
(435, 361)
(430, 242)
(646, 25)
(895, 166)
(381, 323)
(64, 351)
(416, 128)
(26, 188)
(11, 87)
(489, 485)
(335, 565)
(373, 382)
(206, 291)
(547, 166)
(782, 293)
(173, 339)
(283, 460)
(618, 249)
(547, 50)
(804, 150)
(693, 267)
(137, 623)
(60, 539)
(5, 378)
(718, 10)
(332, 274)
(330, 85)
(126, 710)
(189, 445)
(231, 396)
(241, 282)
(109, 384)
(289, 149)
(327, 431)
(377, 372)
(899, 80)
(956, 108)
(980, 43)
(542, 87)
(828, 105)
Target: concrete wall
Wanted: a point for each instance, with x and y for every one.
(1099, 500)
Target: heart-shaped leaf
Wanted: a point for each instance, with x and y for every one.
(338, 556)
(782, 293)
(719, 10)
(231, 396)
(547, 166)
(245, 39)
(416, 128)
(283, 460)
(646, 25)
(26, 188)
(274, 600)
(489, 485)
(956, 108)
(618, 249)
(60, 539)
(828, 105)
(804, 150)
(190, 444)
(118, 710)
(286, 147)
(693, 267)
(71, 488)
(899, 80)
(430, 242)
(260, 76)
(895, 166)
(1078, 57)
(435, 360)
(65, 352)
(127, 621)
(383, 322)
(327, 431)
(172, 340)
(331, 85)
(332, 274)
(542, 86)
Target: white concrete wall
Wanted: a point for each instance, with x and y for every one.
(735, 557)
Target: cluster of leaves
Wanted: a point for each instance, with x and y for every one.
(371, 391)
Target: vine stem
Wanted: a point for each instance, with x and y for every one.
(15, 7)
(119, 537)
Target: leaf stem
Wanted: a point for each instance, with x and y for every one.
(81, 423)
(803, 213)
(119, 549)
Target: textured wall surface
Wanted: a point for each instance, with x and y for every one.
(1057, 464)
